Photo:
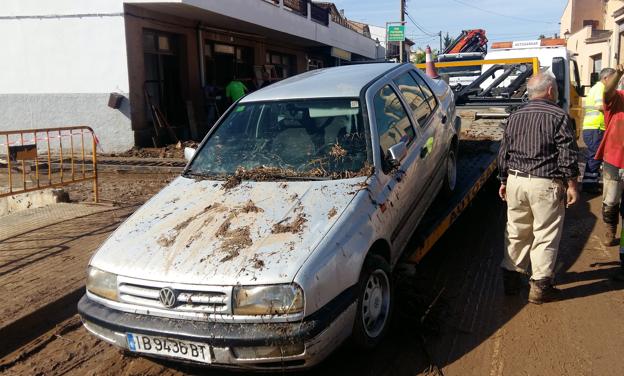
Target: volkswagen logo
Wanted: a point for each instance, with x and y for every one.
(167, 297)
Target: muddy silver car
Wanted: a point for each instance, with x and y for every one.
(278, 241)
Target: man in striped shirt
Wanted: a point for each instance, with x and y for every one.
(538, 169)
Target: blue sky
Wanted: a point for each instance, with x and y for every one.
(502, 19)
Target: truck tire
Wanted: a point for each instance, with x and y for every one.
(450, 176)
(375, 302)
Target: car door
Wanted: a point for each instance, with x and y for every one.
(396, 196)
(432, 122)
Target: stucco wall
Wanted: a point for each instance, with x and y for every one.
(586, 10)
(60, 64)
(28, 111)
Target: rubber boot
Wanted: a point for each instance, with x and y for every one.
(610, 216)
(512, 282)
(543, 291)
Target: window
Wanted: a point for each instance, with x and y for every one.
(284, 65)
(393, 124)
(426, 90)
(415, 98)
(592, 23)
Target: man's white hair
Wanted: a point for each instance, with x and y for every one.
(538, 86)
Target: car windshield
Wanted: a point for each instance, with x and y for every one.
(302, 139)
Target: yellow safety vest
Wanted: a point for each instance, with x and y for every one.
(594, 118)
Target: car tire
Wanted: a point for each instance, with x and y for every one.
(375, 302)
(450, 176)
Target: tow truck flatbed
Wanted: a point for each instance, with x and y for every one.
(478, 149)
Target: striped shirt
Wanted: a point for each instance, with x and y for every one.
(539, 140)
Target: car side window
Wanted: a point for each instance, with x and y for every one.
(415, 97)
(426, 90)
(393, 124)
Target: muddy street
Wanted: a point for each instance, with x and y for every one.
(451, 315)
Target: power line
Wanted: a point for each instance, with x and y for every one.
(501, 14)
(420, 27)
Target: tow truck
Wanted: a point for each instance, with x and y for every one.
(484, 106)
(469, 45)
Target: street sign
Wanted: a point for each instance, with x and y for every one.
(396, 33)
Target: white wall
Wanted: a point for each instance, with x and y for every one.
(60, 61)
(64, 54)
(378, 33)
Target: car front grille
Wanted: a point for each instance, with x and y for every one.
(208, 299)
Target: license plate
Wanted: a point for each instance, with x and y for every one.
(195, 351)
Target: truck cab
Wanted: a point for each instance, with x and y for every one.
(554, 57)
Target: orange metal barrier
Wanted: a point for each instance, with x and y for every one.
(65, 155)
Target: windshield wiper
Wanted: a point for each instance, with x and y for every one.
(302, 177)
(198, 174)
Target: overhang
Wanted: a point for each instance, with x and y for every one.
(265, 19)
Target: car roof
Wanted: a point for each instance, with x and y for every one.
(346, 81)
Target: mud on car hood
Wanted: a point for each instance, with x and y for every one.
(197, 232)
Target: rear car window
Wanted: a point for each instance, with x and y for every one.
(415, 97)
(426, 90)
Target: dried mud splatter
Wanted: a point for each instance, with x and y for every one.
(332, 212)
(250, 207)
(296, 226)
(167, 240)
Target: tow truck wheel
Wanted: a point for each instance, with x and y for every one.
(375, 301)
(450, 178)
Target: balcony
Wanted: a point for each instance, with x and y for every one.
(298, 22)
(300, 7)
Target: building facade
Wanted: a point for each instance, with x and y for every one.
(169, 60)
(594, 30)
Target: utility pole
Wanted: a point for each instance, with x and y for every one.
(402, 23)
(440, 50)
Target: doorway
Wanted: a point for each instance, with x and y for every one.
(163, 76)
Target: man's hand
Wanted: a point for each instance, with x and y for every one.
(612, 82)
(572, 193)
(502, 192)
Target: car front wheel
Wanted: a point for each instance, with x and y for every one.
(375, 301)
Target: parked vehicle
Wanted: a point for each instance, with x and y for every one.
(554, 57)
(278, 241)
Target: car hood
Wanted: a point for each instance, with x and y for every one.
(197, 232)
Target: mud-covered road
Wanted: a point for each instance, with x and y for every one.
(472, 329)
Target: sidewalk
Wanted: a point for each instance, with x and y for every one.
(43, 257)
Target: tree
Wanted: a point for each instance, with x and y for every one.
(447, 41)
(542, 36)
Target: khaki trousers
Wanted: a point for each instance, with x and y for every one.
(535, 212)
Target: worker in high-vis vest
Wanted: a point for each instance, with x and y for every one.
(593, 130)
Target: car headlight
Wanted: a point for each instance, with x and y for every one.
(267, 300)
(102, 283)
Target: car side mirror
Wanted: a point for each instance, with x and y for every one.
(396, 154)
(189, 153)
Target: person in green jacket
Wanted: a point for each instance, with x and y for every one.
(235, 90)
